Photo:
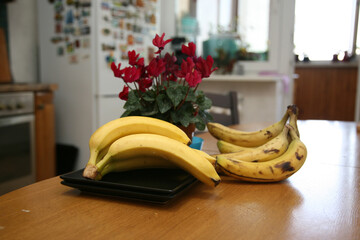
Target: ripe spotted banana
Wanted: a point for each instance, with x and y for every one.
(271, 171)
(248, 139)
(104, 136)
(138, 145)
(144, 162)
(270, 150)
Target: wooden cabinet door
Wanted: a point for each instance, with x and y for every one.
(45, 135)
(326, 92)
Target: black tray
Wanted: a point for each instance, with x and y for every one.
(151, 185)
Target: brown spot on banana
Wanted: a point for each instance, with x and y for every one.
(268, 134)
(298, 157)
(285, 167)
(271, 169)
(271, 150)
(260, 172)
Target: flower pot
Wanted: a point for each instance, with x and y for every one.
(189, 130)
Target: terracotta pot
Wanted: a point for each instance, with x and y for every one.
(189, 130)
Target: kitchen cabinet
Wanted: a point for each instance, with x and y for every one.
(326, 91)
(45, 135)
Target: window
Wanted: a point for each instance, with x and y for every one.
(324, 28)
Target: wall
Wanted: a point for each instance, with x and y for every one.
(23, 40)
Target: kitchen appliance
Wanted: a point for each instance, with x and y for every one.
(17, 140)
(76, 53)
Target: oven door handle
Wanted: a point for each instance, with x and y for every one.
(16, 120)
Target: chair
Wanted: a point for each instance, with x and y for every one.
(224, 108)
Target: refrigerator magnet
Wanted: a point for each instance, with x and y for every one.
(109, 59)
(73, 58)
(69, 2)
(69, 19)
(56, 39)
(121, 24)
(69, 47)
(86, 43)
(115, 23)
(85, 13)
(85, 30)
(77, 43)
(58, 27)
(129, 26)
(130, 39)
(58, 17)
(139, 40)
(106, 31)
(58, 6)
(85, 3)
(77, 31)
(105, 5)
(140, 3)
(107, 47)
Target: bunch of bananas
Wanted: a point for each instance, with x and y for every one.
(268, 155)
(137, 142)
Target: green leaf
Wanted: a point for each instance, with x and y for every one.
(163, 102)
(203, 102)
(200, 126)
(149, 96)
(191, 96)
(175, 94)
(149, 110)
(133, 102)
(126, 113)
(184, 115)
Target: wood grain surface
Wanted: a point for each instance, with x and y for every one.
(320, 201)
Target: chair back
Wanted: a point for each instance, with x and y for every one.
(224, 108)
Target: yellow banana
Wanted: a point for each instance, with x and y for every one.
(248, 139)
(226, 147)
(271, 171)
(144, 162)
(270, 150)
(208, 157)
(105, 135)
(135, 163)
(138, 145)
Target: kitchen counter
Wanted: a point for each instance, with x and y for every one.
(27, 87)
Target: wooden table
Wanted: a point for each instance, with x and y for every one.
(320, 201)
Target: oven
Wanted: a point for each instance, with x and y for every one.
(17, 140)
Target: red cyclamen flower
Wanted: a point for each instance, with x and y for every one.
(190, 50)
(156, 67)
(160, 43)
(144, 83)
(116, 70)
(133, 58)
(204, 66)
(193, 78)
(131, 74)
(186, 67)
(123, 95)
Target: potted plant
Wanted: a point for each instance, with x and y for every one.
(167, 90)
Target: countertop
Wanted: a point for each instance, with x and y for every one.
(27, 87)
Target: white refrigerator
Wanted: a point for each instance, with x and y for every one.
(77, 41)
